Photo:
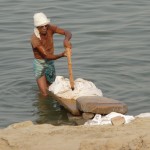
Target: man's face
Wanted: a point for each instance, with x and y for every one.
(43, 29)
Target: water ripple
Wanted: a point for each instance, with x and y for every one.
(110, 48)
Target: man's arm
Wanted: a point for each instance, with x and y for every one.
(48, 55)
(68, 35)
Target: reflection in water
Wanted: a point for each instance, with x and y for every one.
(49, 111)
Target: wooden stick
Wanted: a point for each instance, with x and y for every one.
(70, 68)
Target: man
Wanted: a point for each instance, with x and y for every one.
(43, 50)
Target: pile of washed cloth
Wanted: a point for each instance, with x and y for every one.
(61, 87)
(106, 120)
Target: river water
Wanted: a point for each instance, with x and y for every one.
(111, 40)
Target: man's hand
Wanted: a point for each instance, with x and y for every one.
(67, 44)
(65, 53)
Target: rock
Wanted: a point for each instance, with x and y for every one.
(72, 117)
(68, 104)
(116, 121)
(20, 125)
(100, 105)
(78, 120)
(87, 116)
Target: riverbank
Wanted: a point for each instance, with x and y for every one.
(28, 136)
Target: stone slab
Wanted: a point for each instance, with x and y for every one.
(100, 105)
(68, 104)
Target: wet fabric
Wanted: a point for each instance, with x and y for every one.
(61, 87)
(44, 67)
(103, 120)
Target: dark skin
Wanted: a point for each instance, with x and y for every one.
(42, 82)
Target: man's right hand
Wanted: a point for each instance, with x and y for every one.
(65, 53)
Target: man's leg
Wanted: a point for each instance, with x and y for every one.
(42, 84)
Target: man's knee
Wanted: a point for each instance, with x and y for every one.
(44, 93)
(42, 86)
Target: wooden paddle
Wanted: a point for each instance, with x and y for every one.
(70, 68)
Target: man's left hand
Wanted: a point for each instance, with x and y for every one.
(67, 44)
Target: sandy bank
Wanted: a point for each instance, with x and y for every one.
(27, 136)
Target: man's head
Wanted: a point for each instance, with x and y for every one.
(41, 22)
(40, 19)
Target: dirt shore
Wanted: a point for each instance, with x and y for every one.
(28, 136)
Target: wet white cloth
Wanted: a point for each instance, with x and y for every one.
(36, 32)
(105, 120)
(40, 19)
(61, 87)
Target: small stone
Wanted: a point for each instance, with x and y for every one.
(87, 116)
(72, 117)
(116, 121)
(78, 120)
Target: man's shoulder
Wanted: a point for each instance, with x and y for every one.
(33, 36)
(34, 39)
(53, 27)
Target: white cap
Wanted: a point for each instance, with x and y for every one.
(40, 19)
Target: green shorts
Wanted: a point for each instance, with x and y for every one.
(44, 67)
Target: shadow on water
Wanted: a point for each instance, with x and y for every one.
(50, 112)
